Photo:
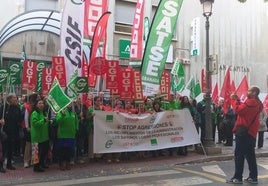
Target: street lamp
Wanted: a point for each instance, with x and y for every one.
(207, 12)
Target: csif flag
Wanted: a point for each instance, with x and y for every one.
(72, 26)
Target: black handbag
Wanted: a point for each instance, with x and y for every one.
(242, 131)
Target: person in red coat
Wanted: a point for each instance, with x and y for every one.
(248, 114)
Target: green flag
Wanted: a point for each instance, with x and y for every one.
(15, 70)
(177, 69)
(23, 54)
(39, 68)
(178, 83)
(188, 87)
(3, 76)
(0, 59)
(81, 84)
(56, 98)
(190, 84)
(196, 90)
(180, 72)
(70, 89)
(158, 43)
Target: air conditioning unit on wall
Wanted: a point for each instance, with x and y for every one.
(185, 61)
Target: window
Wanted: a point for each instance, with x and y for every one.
(41, 5)
(124, 15)
(123, 28)
(124, 12)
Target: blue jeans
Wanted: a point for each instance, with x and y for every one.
(245, 148)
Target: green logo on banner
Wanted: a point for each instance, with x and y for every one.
(194, 52)
(15, 73)
(124, 48)
(154, 142)
(109, 118)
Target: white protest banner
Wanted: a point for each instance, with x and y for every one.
(123, 132)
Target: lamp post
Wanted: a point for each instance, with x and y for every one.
(207, 12)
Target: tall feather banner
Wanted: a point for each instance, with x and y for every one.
(158, 43)
(99, 33)
(72, 26)
(136, 43)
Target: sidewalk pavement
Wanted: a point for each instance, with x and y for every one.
(96, 169)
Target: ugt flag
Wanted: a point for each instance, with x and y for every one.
(56, 98)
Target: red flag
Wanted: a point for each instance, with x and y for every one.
(113, 70)
(242, 89)
(226, 91)
(138, 94)
(29, 75)
(136, 38)
(93, 11)
(203, 80)
(165, 84)
(233, 89)
(125, 80)
(47, 80)
(98, 66)
(92, 80)
(58, 69)
(100, 32)
(265, 104)
(215, 94)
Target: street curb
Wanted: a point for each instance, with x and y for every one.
(218, 158)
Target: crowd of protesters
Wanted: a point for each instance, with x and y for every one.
(43, 137)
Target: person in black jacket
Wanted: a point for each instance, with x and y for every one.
(2, 170)
(228, 125)
(10, 114)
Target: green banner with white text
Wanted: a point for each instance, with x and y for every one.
(158, 43)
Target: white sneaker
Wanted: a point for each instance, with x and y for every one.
(81, 161)
(26, 165)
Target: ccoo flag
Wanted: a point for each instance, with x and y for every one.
(136, 38)
(158, 43)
